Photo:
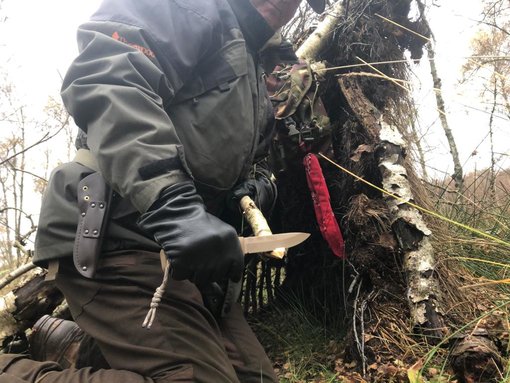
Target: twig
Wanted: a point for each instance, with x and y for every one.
(17, 244)
(368, 74)
(384, 75)
(44, 138)
(401, 26)
(359, 344)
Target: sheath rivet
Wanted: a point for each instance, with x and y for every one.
(92, 204)
(95, 232)
(83, 214)
(86, 231)
(84, 268)
(101, 205)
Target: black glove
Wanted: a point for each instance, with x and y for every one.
(200, 247)
(261, 189)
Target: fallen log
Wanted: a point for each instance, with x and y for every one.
(16, 274)
(30, 299)
(408, 226)
(475, 358)
(407, 223)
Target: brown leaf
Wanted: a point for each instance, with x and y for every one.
(387, 240)
(363, 148)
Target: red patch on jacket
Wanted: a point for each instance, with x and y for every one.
(146, 51)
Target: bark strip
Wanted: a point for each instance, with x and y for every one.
(409, 228)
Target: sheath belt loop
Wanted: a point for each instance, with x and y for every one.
(94, 199)
(52, 270)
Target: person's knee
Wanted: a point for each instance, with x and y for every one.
(183, 374)
(6, 378)
(25, 369)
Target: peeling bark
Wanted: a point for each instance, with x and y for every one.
(412, 234)
(408, 226)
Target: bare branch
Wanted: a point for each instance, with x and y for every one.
(16, 274)
(45, 138)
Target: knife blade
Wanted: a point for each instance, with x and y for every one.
(265, 243)
(261, 243)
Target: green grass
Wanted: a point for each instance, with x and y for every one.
(301, 346)
(307, 347)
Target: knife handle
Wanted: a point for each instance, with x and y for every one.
(243, 246)
(258, 224)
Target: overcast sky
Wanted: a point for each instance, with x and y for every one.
(37, 43)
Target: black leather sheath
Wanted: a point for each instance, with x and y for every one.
(94, 197)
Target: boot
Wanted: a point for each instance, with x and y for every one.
(56, 340)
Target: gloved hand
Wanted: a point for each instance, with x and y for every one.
(261, 189)
(200, 247)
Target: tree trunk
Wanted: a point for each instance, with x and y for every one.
(457, 175)
(311, 48)
(411, 231)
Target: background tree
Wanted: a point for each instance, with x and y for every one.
(24, 156)
(490, 66)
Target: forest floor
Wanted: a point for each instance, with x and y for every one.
(305, 350)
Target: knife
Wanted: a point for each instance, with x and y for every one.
(257, 244)
(265, 243)
(220, 301)
(261, 243)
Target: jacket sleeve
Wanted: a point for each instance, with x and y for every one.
(116, 91)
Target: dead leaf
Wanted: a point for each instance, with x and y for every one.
(363, 148)
(414, 372)
(368, 337)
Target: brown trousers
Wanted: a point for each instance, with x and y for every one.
(185, 344)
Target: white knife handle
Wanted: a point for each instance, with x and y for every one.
(243, 245)
(258, 224)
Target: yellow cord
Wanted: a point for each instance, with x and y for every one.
(422, 209)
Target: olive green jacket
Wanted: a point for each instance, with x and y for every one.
(162, 91)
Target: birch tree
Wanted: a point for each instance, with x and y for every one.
(25, 158)
(490, 63)
(457, 175)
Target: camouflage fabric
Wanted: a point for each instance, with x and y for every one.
(294, 93)
(303, 124)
